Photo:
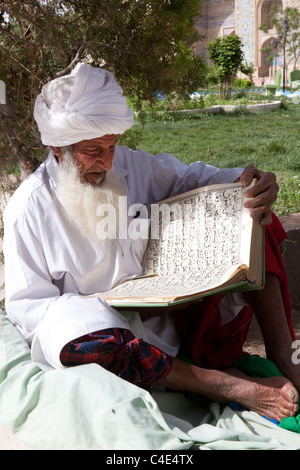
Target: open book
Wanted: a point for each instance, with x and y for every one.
(200, 242)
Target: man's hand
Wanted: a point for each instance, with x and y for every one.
(261, 195)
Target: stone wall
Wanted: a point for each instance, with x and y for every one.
(242, 17)
(218, 19)
(291, 256)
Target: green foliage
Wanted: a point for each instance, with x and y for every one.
(212, 76)
(132, 137)
(227, 54)
(292, 16)
(147, 44)
(241, 83)
(267, 140)
(248, 69)
(175, 107)
(288, 201)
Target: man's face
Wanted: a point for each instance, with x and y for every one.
(94, 157)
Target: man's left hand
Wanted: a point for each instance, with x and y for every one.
(261, 195)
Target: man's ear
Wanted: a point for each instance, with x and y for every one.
(57, 152)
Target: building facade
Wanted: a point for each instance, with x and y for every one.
(242, 17)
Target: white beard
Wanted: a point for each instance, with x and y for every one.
(82, 201)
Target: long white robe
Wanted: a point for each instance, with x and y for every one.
(50, 267)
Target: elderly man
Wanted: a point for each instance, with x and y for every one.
(54, 257)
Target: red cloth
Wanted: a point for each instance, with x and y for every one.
(214, 346)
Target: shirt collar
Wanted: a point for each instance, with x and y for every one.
(52, 167)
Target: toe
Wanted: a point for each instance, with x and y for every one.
(289, 392)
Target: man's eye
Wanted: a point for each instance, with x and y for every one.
(90, 152)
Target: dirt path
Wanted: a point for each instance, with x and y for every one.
(255, 343)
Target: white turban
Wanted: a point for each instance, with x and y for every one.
(84, 105)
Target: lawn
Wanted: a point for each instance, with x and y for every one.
(269, 140)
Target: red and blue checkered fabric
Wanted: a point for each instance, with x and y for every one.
(120, 352)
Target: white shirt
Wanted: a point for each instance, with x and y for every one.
(49, 267)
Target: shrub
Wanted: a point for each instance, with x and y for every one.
(241, 83)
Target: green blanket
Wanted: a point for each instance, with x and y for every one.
(88, 408)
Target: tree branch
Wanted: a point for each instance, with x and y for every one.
(14, 36)
(30, 72)
(71, 64)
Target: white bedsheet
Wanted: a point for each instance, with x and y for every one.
(88, 408)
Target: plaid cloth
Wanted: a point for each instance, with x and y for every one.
(120, 352)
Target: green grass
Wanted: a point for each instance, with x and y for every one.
(269, 140)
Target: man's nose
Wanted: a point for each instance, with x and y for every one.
(105, 160)
(107, 163)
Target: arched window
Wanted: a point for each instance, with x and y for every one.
(266, 10)
(265, 63)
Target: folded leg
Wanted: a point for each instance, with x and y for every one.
(118, 351)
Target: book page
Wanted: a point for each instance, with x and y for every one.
(195, 243)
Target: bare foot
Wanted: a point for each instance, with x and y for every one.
(274, 397)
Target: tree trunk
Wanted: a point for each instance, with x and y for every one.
(225, 88)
